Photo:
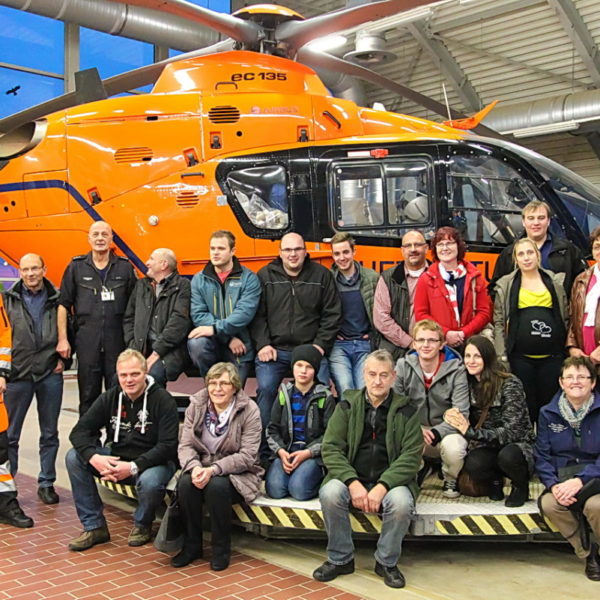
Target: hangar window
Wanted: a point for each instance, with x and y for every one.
(262, 194)
(486, 196)
(381, 198)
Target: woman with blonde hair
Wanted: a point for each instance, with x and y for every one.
(530, 324)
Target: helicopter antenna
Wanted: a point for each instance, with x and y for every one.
(446, 100)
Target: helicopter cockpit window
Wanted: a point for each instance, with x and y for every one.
(382, 198)
(578, 195)
(262, 194)
(486, 196)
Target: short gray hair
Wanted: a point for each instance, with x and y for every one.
(219, 369)
(129, 354)
(381, 356)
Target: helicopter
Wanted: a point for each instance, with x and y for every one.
(243, 135)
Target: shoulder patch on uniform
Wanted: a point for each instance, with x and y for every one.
(122, 257)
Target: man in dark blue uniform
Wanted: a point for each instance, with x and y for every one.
(95, 289)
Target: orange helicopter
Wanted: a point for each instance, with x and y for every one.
(239, 136)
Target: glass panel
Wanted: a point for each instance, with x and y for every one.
(112, 55)
(407, 192)
(31, 41)
(262, 194)
(28, 90)
(359, 196)
(577, 194)
(486, 198)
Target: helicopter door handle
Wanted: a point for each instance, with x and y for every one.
(327, 114)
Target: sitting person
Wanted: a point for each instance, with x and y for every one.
(218, 452)
(298, 420)
(567, 460)
(141, 423)
(433, 377)
(499, 432)
(372, 449)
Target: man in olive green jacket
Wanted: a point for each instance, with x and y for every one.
(372, 450)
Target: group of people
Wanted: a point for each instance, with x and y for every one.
(431, 368)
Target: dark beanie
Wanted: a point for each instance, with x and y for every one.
(308, 353)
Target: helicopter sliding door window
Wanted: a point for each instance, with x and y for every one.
(381, 198)
(261, 192)
(486, 196)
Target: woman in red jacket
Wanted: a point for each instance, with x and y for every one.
(453, 292)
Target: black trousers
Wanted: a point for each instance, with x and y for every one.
(95, 366)
(540, 380)
(218, 496)
(491, 464)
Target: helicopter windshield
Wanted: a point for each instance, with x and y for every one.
(578, 195)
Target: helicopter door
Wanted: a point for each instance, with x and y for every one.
(485, 198)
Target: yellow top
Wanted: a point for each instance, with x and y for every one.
(528, 298)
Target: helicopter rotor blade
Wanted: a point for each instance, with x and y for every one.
(299, 33)
(238, 29)
(117, 84)
(314, 58)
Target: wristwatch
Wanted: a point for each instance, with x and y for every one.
(133, 468)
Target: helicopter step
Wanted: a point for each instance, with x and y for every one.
(463, 518)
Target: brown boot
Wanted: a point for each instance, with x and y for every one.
(87, 539)
(139, 535)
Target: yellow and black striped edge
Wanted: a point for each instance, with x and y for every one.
(124, 490)
(519, 524)
(300, 518)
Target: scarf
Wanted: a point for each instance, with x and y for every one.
(450, 278)
(591, 299)
(215, 423)
(570, 415)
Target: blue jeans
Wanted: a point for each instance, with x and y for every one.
(18, 396)
(271, 373)
(149, 484)
(302, 484)
(346, 363)
(158, 372)
(207, 351)
(397, 510)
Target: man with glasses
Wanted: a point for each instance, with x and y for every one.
(299, 305)
(558, 254)
(393, 312)
(434, 378)
(37, 369)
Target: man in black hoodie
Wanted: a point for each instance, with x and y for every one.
(141, 424)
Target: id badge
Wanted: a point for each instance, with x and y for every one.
(107, 295)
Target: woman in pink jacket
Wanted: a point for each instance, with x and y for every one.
(453, 292)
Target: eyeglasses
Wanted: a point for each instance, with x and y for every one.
(292, 250)
(577, 378)
(416, 245)
(595, 247)
(428, 341)
(219, 384)
(445, 244)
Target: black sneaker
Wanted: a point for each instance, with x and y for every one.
(392, 577)
(328, 571)
(496, 490)
(48, 495)
(14, 515)
(592, 564)
(519, 494)
(450, 489)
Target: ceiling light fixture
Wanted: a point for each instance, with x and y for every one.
(543, 129)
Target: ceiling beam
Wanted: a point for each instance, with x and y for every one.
(580, 35)
(451, 70)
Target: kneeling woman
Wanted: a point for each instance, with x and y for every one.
(499, 432)
(567, 459)
(219, 454)
(298, 420)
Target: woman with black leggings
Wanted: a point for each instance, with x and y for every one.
(499, 432)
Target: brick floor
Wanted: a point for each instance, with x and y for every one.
(35, 564)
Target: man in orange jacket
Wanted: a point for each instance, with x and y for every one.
(10, 511)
